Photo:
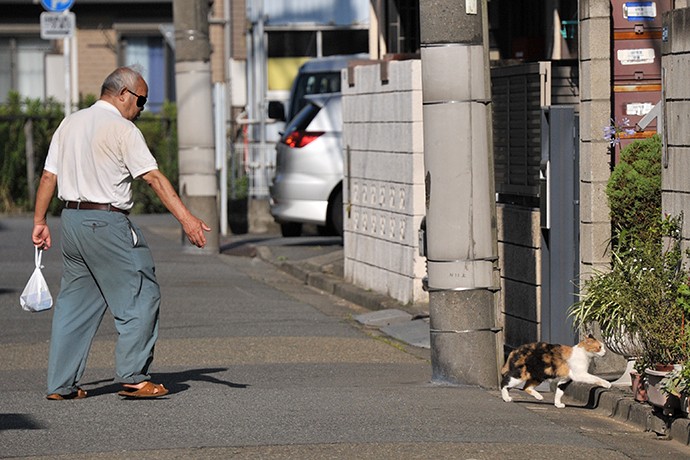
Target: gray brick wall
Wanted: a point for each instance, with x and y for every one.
(675, 63)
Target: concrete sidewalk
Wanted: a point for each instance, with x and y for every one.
(318, 262)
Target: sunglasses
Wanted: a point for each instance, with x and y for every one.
(141, 100)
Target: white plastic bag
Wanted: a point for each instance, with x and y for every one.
(36, 295)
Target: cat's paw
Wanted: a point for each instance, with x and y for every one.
(508, 399)
(504, 394)
(535, 394)
(559, 405)
(606, 384)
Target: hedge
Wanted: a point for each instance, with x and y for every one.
(160, 132)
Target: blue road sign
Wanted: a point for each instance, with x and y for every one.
(57, 6)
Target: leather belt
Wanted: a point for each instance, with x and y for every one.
(93, 206)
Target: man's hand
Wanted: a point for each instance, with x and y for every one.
(194, 228)
(41, 236)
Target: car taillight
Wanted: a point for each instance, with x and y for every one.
(298, 139)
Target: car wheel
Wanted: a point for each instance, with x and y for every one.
(291, 229)
(335, 213)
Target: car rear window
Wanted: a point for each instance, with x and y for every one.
(303, 118)
(314, 83)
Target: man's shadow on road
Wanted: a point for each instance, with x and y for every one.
(175, 382)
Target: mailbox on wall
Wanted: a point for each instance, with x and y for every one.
(636, 103)
(636, 62)
(638, 16)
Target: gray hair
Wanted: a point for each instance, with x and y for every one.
(120, 79)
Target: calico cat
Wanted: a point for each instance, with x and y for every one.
(536, 362)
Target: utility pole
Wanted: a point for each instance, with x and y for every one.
(198, 180)
(461, 247)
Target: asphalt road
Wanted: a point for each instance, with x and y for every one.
(261, 366)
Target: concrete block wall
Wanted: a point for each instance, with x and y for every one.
(595, 113)
(676, 63)
(383, 189)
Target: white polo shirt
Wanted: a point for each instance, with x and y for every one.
(96, 153)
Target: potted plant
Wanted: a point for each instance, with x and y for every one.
(643, 302)
(610, 299)
(605, 299)
(238, 204)
(662, 316)
(635, 302)
(668, 373)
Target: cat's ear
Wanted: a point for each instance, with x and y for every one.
(590, 336)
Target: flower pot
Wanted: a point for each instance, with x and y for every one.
(684, 403)
(639, 386)
(663, 367)
(628, 345)
(624, 343)
(237, 216)
(669, 404)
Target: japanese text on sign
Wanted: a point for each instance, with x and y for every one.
(639, 56)
(57, 25)
(639, 11)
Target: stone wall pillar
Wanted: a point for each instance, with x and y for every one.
(675, 64)
(595, 97)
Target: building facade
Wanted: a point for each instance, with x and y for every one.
(108, 34)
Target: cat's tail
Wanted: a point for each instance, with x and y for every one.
(506, 365)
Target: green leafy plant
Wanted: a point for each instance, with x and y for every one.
(160, 132)
(239, 187)
(18, 118)
(645, 293)
(662, 317)
(634, 189)
(677, 382)
(683, 298)
(603, 300)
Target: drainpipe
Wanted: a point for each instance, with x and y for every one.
(198, 181)
(461, 246)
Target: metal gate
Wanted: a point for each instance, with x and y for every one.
(560, 216)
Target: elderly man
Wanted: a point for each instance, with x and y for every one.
(94, 156)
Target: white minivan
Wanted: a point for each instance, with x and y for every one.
(307, 186)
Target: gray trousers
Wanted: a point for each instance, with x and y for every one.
(103, 269)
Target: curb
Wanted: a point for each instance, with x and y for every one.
(312, 275)
(619, 403)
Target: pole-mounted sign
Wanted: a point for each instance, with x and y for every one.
(57, 25)
(57, 6)
(57, 21)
